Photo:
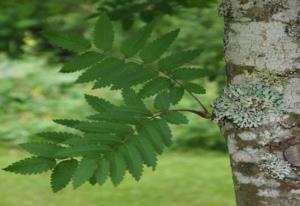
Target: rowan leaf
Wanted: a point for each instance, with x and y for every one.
(62, 174)
(33, 165)
(104, 33)
(136, 41)
(102, 171)
(178, 59)
(102, 70)
(155, 49)
(117, 168)
(154, 86)
(81, 62)
(176, 94)
(83, 150)
(42, 149)
(175, 118)
(194, 88)
(99, 104)
(67, 40)
(84, 171)
(162, 101)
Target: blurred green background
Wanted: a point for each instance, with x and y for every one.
(195, 171)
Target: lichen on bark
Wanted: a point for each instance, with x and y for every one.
(263, 36)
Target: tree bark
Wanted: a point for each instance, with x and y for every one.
(260, 36)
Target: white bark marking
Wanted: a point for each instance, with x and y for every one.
(256, 180)
(262, 45)
(268, 193)
(292, 95)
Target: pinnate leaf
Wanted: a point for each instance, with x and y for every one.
(175, 118)
(62, 174)
(194, 88)
(103, 33)
(162, 101)
(34, 165)
(154, 86)
(155, 49)
(136, 41)
(176, 94)
(178, 59)
(84, 171)
(67, 40)
(42, 149)
(83, 61)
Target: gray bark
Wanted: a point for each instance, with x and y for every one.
(264, 35)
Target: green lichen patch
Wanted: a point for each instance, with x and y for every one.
(247, 105)
(274, 167)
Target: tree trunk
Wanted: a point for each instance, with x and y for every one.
(262, 37)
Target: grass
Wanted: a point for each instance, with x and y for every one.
(181, 179)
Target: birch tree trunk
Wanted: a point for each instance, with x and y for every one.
(263, 37)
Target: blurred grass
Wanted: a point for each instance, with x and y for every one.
(181, 179)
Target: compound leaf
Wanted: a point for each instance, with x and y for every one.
(155, 49)
(67, 40)
(83, 61)
(84, 171)
(104, 33)
(62, 174)
(34, 165)
(136, 41)
(178, 59)
(175, 118)
(42, 149)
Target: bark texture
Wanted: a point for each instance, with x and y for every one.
(260, 36)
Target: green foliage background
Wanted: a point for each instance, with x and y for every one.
(33, 92)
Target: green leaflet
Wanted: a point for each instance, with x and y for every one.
(136, 41)
(175, 118)
(155, 49)
(67, 122)
(99, 104)
(104, 70)
(83, 150)
(117, 167)
(154, 137)
(194, 88)
(164, 130)
(176, 94)
(62, 174)
(104, 127)
(154, 86)
(57, 137)
(132, 99)
(84, 171)
(42, 149)
(133, 160)
(95, 139)
(33, 165)
(162, 101)
(103, 35)
(134, 73)
(83, 61)
(68, 40)
(102, 171)
(187, 74)
(123, 114)
(146, 150)
(178, 59)
(118, 116)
